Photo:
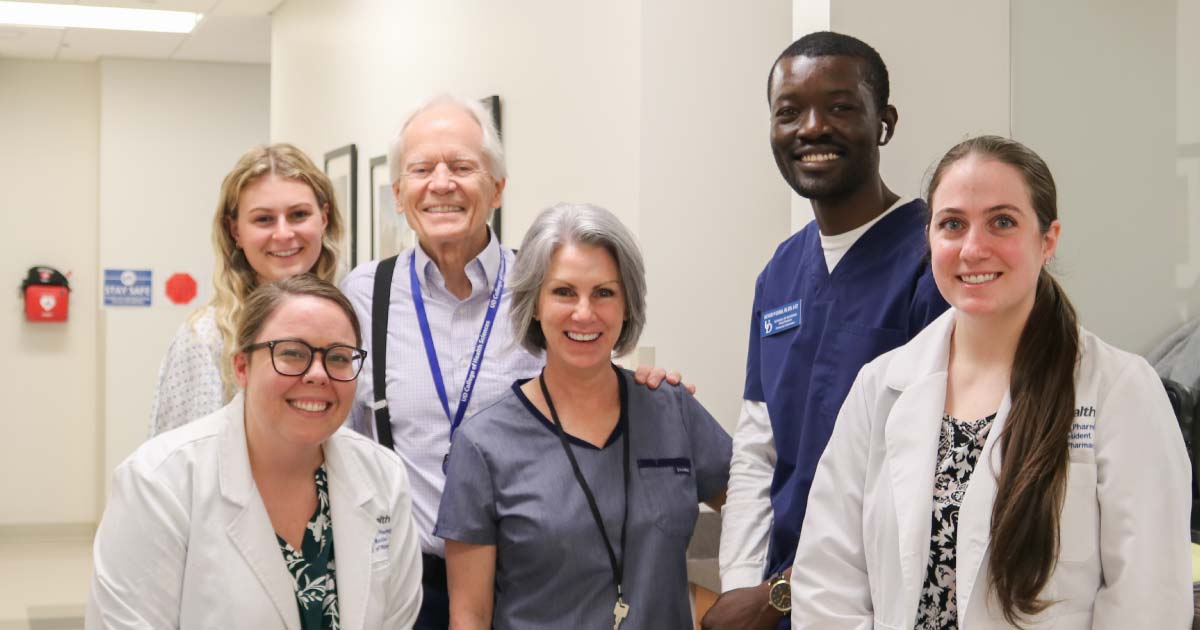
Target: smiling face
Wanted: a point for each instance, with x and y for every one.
(279, 227)
(581, 306)
(986, 246)
(446, 190)
(296, 411)
(825, 126)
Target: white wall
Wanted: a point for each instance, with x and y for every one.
(713, 206)
(653, 110)
(48, 215)
(169, 132)
(1099, 106)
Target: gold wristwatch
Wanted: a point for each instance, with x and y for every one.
(780, 593)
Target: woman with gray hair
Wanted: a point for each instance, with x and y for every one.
(569, 501)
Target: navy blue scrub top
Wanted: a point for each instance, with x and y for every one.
(880, 295)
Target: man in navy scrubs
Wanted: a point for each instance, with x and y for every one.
(846, 288)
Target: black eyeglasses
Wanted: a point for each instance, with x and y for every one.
(292, 357)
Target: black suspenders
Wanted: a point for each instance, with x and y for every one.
(381, 298)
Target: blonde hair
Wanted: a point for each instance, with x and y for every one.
(233, 277)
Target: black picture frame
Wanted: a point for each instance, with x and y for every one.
(390, 232)
(492, 104)
(341, 166)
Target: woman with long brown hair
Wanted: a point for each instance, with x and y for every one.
(1006, 467)
(276, 217)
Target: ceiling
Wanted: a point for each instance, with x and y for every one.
(231, 31)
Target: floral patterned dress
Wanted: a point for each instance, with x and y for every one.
(959, 446)
(312, 567)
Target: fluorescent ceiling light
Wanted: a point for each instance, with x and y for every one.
(110, 18)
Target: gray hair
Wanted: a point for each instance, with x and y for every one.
(493, 151)
(576, 223)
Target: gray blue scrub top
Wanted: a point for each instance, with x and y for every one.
(509, 484)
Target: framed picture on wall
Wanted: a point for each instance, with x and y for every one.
(492, 104)
(341, 165)
(390, 229)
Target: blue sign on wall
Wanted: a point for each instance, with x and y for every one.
(127, 287)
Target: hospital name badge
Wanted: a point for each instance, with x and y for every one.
(781, 318)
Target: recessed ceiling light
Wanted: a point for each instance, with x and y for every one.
(110, 18)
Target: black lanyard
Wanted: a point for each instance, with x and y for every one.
(618, 564)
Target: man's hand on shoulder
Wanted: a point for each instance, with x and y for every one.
(652, 377)
(742, 609)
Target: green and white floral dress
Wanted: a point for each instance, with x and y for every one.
(312, 567)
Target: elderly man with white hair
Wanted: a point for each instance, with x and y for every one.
(440, 346)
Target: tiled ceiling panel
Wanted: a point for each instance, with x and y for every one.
(231, 31)
(246, 7)
(85, 44)
(236, 38)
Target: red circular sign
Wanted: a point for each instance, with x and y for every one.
(181, 288)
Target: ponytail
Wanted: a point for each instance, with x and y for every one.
(1033, 449)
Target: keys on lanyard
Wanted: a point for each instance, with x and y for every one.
(620, 612)
(485, 333)
(617, 564)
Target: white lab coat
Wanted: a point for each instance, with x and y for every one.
(1124, 561)
(186, 541)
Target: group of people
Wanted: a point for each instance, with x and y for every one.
(928, 439)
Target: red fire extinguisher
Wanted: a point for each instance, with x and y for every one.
(46, 292)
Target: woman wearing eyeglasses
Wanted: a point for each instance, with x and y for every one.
(265, 514)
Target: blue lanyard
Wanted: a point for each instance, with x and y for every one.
(485, 333)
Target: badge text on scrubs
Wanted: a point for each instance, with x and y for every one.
(781, 318)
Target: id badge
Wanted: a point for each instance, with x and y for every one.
(780, 318)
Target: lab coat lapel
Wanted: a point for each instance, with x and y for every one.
(249, 527)
(975, 513)
(918, 374)
(354, 533)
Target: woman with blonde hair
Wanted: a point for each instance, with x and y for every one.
(277, 217)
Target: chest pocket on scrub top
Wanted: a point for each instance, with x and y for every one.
(669, 494)
(852, 347)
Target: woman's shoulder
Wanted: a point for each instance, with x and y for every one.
(1102, 358)
(198, 330)
(1102, 365)
(185, 444)
(502, 415)
(664, 394)
(374, 460)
